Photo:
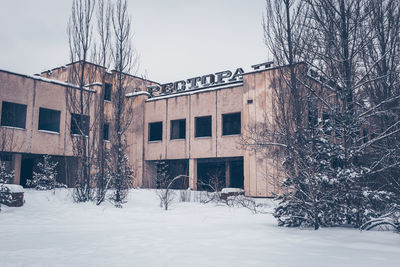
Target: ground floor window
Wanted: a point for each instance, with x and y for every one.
(214, 174)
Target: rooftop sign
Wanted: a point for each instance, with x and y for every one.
(200, 82)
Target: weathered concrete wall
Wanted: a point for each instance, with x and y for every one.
(213, 103)
(261, 171)
(36, 94)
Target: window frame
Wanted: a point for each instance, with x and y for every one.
(13, 113)
(196, 126)
(178, 121)
(150, 127)
(223, 119)
(107, 92)
(86, 131)
(58, 112)
(108, 131)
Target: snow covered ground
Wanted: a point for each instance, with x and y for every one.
(50, 230)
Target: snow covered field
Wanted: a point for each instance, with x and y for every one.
(52, 231)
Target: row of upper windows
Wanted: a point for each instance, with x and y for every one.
(231, 125)
(14, 115)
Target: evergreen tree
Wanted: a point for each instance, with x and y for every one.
(5, 178)
(121, 182)
(46, 177)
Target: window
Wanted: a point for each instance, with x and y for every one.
(178, 129)
(106, 132)
(312, 115)
(155, 131)
(13, 115)
(107, 92)
(5, 157)
(49, 120)
(203, 126)
(365, 135)
(326, 125)
(231, 124)
(80, 124)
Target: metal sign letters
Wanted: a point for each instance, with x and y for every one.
(200, 82)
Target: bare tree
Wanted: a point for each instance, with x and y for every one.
(102, 57)
(165, 183)
(80, 101)
(381, 61)
(124, 62)
(322, 109)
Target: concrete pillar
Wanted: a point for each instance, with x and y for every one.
(17, 158)
(227, 173)
(193, 174)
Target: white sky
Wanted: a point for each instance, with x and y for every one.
(176, 39)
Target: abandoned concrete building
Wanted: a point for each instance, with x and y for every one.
(195, 125)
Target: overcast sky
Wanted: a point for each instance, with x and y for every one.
(176, 39)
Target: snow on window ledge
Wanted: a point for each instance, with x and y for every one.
(12, 127)
(49, 132)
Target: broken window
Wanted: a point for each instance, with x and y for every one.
(13, 114)
(203, 126)
(155, 131)
(178, 129)
(107, 92)
(106, 132)
(231, 124)
(80, 124)
(49, 120)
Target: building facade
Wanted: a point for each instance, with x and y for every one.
(195, 125)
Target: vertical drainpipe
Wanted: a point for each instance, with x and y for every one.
(143, 141)
(166, 128)
(32, 115)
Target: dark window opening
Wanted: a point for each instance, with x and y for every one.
(236, 173)
(80, 124)
(210, 175)
(49, 120)
(5, 157)
(178, 129)
(365, 135)
(106, 132)
(231, 124)
(326, 125)
(13, 115)
(312, 115)
(155, 131)
(203, 126)
(107, 92)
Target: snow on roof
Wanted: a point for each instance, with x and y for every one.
(94, 84)
(40, 78)
(137, 94)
